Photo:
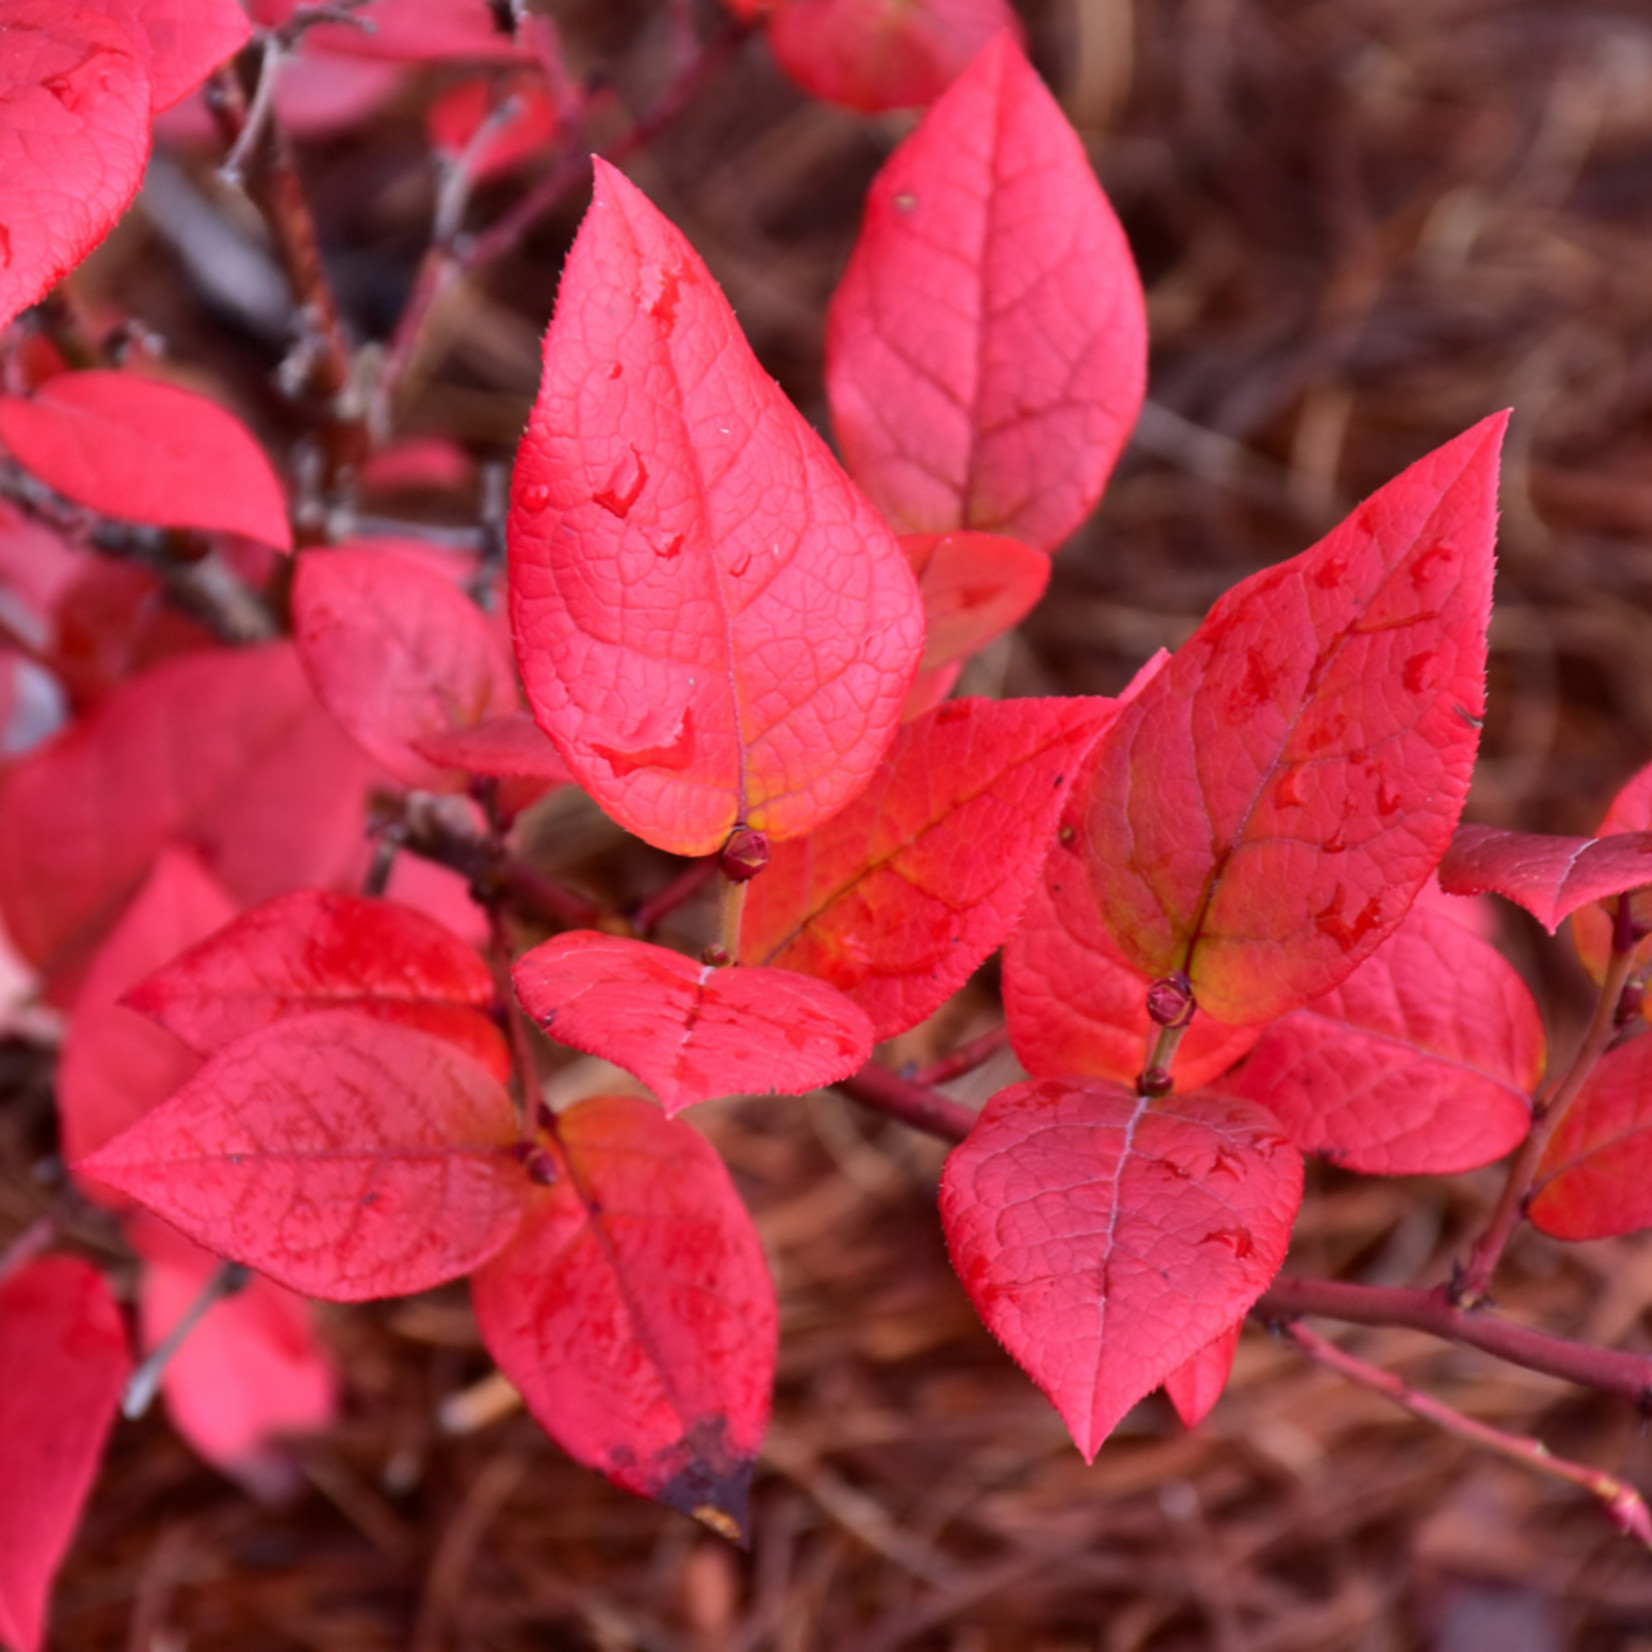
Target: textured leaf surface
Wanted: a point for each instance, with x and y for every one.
(711, 622)
(74, 136)
(1550, 876)
(345, 1158)
(184, 40)
(396, 652)
(116, 1065)
(883, 54)
(1195, 1387)
(689, 1031)
(899, 897)
(140, 451)
(512, 747)
(63, 1363)
(1264, 813)
(1629, 811)
(974, 586)
(634, 1311)
(1105, 1240)
(1595, 1177)
(313, 950)
(986, 349)
(225, 751)
(1421, 1063)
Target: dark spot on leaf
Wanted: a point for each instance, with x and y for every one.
(368, 1200)
(675, 753)
(1238, 1240)
(1287, 792)
(618, 503)
(668, 551)
(1330, 922)
(1414, 669)
(1256, 687)
(706, 1479)
(1437, 550)
(664, 307)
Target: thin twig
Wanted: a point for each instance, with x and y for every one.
(651, 913)
(226, 1280)
(965, 1059)
(913, 1104)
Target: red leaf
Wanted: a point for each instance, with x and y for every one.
(397, 653)
(1550, 876)
(512, 747)
(1106, 1239)
(248, 1375)
(345, 1158)
(63, 1363)
(184, 40)
(712, 624)
(899, 897)
(142, 451)
(688, 1031)
(74, 136)
(1074, 1006)
(1264, 814)
(986, 350)
(1195, 1387)
(634, 1311)
(311, 951)
(114, 622)
(225, 751)
(883, 54)
(116, 1065)
(1421, 1063)
(1630, 811)
(1594, 1180)
(975, 586)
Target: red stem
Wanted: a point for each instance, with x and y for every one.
(966, 1058)
(912, 1103)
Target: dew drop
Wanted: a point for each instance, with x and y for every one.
(906, 203)
(535, 496)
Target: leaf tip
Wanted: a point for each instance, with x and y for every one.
(714, 1485)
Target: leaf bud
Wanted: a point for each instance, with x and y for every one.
(744, 855)
(1170, 1001)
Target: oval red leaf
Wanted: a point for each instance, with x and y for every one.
(1595, 1178)
(712, 623)
(345, 1158)
(1629, 811)
(140, 451)
(1550, 876)
(898, 898)
(634, 1311)
(74, 137)
(397, 653)
(1421, 1063)
(687, 1030)
(1195, 1387)
(974, 586)
(1106, 1239)
(63, 1364)
(1265, 812)
(986, 351)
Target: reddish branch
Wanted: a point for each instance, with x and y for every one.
(910, 1102)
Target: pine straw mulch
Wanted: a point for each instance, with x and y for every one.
(1363, 225)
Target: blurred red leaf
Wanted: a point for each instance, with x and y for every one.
(899, 897)
(224, 751)
(345, 1157)
(882, 54)
(396, 652)
(512, 747)
(74, 137)
(63, 1364)
(113, 622)
(1106, 1239)
(1629, 811)
(1263, 815)
(687, 1030)
(986, 349)
(975, 586)
(141, 451)
(312, 950)
(1594, 1180)
(185, 40)
(417, 31)
(634, 1311)
(1422, 1062)
(712, 623)
(1550, 876)
(1195, 1387)
(494, 125)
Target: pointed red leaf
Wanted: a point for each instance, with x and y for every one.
(396, 653)
(1106, 1239)
(883, 54)
(183, 40)
(1595, 1178)
(344, 1157)
(899, 897)
(712, 623)
(116, 1065)
(1074, 1006)
(1550, 876)
(63, 1363)
(224, 750)
(1421, 1063)
(142, 451)
(634, 1311)
(986, 350)
(1264, 814)
(687, 1030)
(1629, 811)
(512, 747)
(1195, 1387)
(311, 951)
(250, 1373)
(975, 586)
(74, 136)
